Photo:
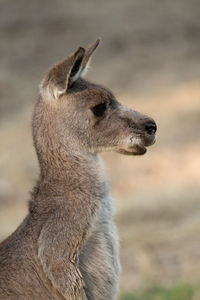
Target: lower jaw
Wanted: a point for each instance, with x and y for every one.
(134, 150)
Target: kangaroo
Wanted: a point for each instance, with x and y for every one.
(67, 246)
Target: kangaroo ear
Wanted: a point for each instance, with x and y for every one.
(87, 58)
(60, 77)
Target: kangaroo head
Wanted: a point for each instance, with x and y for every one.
(73, 115)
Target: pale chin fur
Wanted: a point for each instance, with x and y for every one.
(134, 141)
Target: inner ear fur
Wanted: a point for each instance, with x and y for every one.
(82, 62)
(87, 58)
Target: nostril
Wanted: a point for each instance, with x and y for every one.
(151, 127)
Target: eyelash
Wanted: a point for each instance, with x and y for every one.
(99, 109)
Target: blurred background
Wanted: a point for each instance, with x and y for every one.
(150, 58)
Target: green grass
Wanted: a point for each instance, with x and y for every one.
(177, 292)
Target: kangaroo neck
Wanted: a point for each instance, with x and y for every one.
(70, 173)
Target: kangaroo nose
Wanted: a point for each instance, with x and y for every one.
(150, 127)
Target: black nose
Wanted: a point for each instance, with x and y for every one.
(150, 127)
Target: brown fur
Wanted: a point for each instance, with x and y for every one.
(67, 246)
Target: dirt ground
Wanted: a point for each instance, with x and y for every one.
(150, 58)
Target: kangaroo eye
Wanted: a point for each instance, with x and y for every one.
(99, 109)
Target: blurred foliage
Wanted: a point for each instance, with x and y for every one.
(182, 291)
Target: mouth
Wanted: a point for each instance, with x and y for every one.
(136, 149)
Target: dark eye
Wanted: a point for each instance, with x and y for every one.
(99, 109)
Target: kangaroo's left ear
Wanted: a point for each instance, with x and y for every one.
(87, 58)
(82, 65)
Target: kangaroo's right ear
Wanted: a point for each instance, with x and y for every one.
(60, 77)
